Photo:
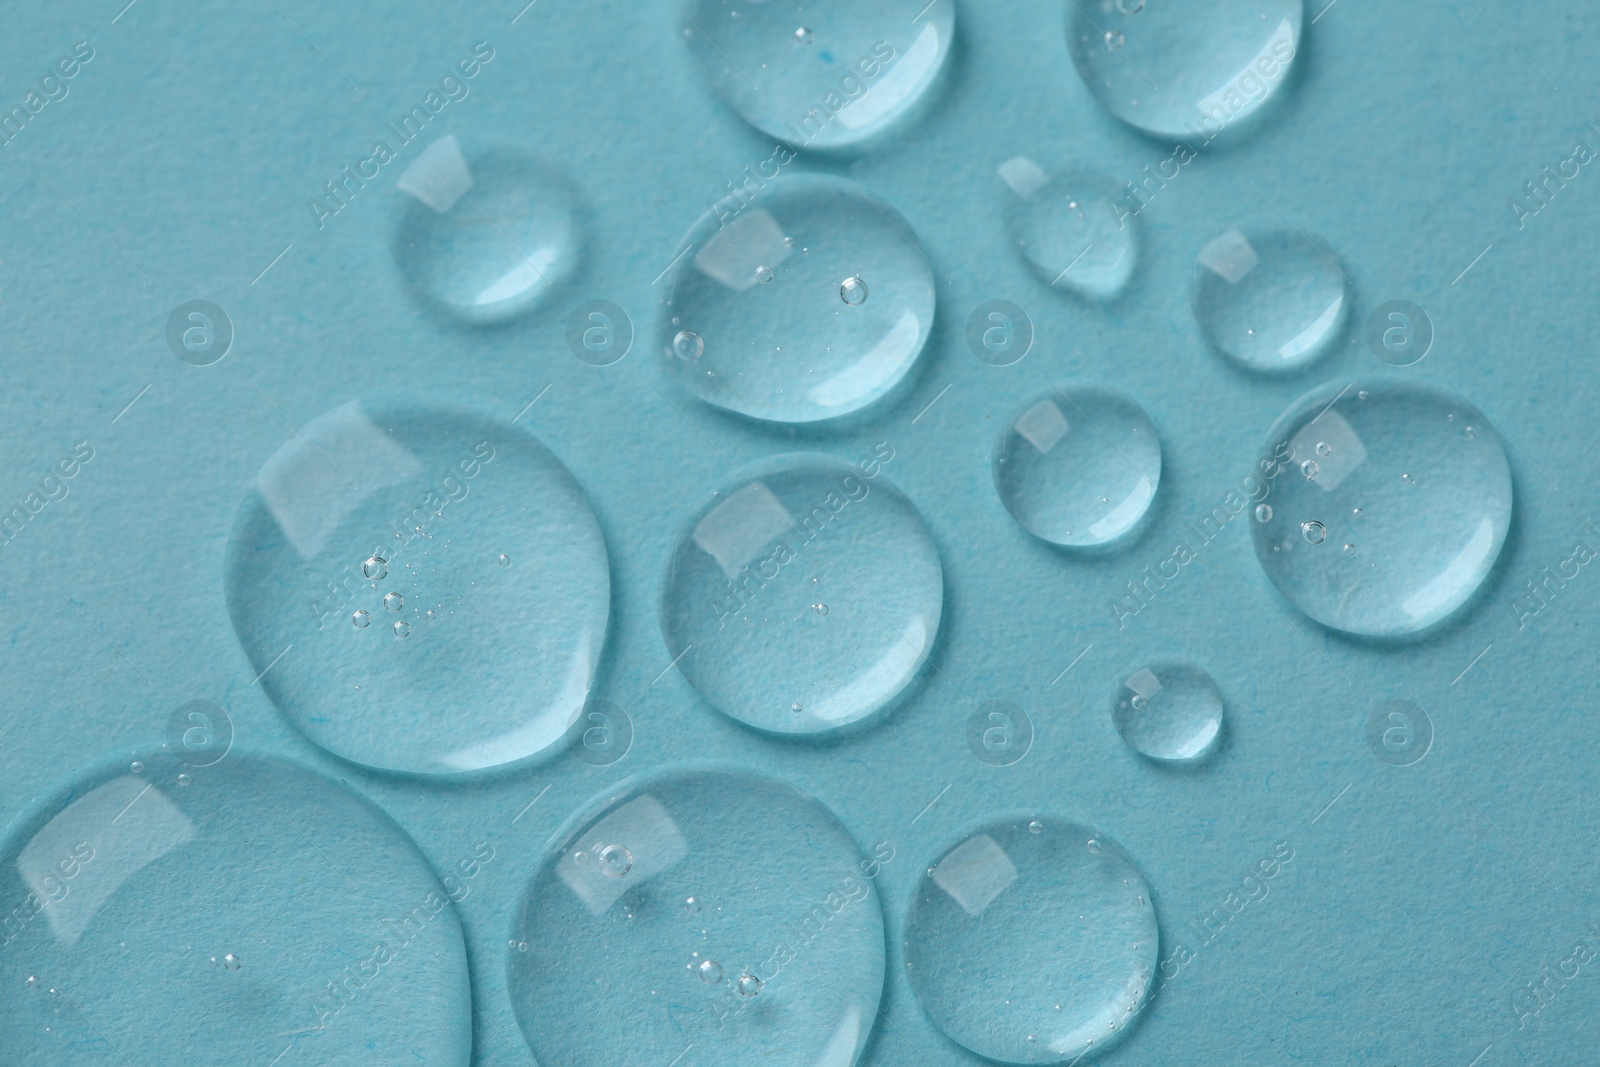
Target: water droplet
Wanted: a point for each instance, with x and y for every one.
(710, 972)
(738, 584)
(1093, 845)
(1310, 469)
(786, 351)
(1363, 395)
(376, 568)
(990, 975)
(1471, 431)
(1263, 512)
(1349, 549)
(230, 859)
(580, 857)
(1070, 229)
(184, 779)
(587, 965)
(360, 618)
(1290, 290)
(691, 904)
(614, 860)
(1323, 448)
(1169, 711)
(1217, 66)
(1079, 466)
(749, 985)
(487, 238)
(1313, 531)
(137, 767)
(1428, 539)
(1036, 827)
(687, 345)
(522, 946)
(853, 291)
(844, 93)
(763, 275)
(503, 559)
(459, 488)
(797, 706)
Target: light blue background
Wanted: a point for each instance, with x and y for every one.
(1414, 907)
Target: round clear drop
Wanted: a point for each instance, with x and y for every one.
(1402, 515)
(1272, 300)
(1070, 228)
(496, 661)
(820, 74)
(809, 303)
(205, 922)
(1170, 712)
(740, 606)
(782, 962)
(486, 236)
(1193, 69)
(1078, 466)
(1032, 939)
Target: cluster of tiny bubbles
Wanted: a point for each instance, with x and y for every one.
(1007, 987)
(1170, 712)
(792, 343)
(1273, 301)
(615, 860)
(871, 67)
(1069, 228)
(1078, 466)
(1434, 508)
(375, 569)
(748, 985)
(1219, 64)
(361, 618)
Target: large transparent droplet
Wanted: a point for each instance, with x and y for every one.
(820, 74)
(496, 661)
(617, 971)
(761, 293)
(1079, 466)
(1169, 711)
(248, 912)
(806, 598)
(1411, 478)
(1192, 69)
(1032, 945)
(1070, 228)
(1272, 300)
(488, 236)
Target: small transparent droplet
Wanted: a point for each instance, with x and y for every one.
(1324, 449)
(853, 292)
(580, 857)
(692, 905)
(1263, 512)
(1094, 845)
(1363, 395)
(376, 568)
(1408, 479)
(1310, 469)
(360, 619)
(1114, 40)
(748, 985)
(1357, 512)
(1314, 532)
(136, 767)
(232, 962)
(820, 609)
(1139, 703)
(763, 274)
(401, 628)
(1130, 7)
(522, 946)
(687, 345)
(184, 779)
(803, 35)
(1349, 549)
(1036, 827)
(710, 972)
(393, 602)
(34, 982)
(504, 560)
(615, 860)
